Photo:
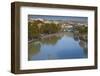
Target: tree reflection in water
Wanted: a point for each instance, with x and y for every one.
(51, 40)
(76, 37)
(84, 45)
(34, 48)
(82, 42)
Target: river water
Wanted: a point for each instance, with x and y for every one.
(61, 46)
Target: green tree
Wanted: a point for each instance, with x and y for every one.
(83, 29)
(49, 28)
(29, 30)
(33, 30)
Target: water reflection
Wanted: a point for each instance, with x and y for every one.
(76, 37)
(50, 41)
(62, 46)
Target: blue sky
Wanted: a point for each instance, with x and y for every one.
(65, 18)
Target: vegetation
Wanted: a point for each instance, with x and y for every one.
(83, 30)
(35, 29)
(49, 28)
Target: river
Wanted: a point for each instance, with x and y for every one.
(62, 46)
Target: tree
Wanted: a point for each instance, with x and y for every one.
(49, 28)
(29, 30)
(45, 28)
(83, 30)
(33, 30)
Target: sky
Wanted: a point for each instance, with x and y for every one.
(65, 18)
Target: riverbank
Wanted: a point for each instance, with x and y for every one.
(46, 36)
(49, 35)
